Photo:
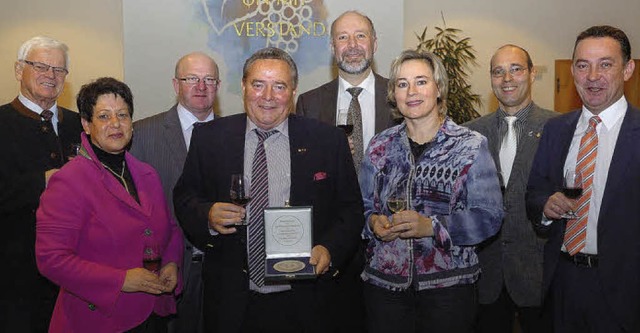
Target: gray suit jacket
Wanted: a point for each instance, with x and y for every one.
(158, 140)
(514, 256)
(321, 103)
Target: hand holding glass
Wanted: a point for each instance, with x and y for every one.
(238, 193)
(572, 189)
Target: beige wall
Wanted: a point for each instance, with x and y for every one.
(546, 28)
(91, 28)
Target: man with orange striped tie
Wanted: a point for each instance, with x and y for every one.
(592, 256)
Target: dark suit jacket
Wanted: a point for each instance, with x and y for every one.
(619, 219)
(514, 256)
(321, 103)
(158, 140)
(217, 151)
(27, 153)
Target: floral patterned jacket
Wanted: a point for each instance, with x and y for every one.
(455, 183)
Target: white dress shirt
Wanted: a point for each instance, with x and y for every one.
(187, 119)
(37, 109)
(607, 131)
(367, 99)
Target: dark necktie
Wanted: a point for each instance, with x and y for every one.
(47, 125)
(354, 117)
(259, 201)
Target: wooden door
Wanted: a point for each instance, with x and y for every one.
(566, 97)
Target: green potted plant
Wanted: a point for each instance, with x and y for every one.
(457, 55)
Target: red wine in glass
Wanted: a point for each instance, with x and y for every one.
(151, 259)
(572, 189)
(239, 194)
(572, 192)
(152, 264)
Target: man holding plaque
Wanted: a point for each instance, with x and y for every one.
(283, 158)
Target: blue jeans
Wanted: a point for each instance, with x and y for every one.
(446, 310)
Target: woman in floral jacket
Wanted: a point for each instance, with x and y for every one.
(442, 183)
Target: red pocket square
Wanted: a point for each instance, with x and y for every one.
(319, 176)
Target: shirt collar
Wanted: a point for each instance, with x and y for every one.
(368, 84)
(283, 127)
(187, 119)
(35, 107)
(609, 116)
(521, 114)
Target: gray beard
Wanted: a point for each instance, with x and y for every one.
(357, 68)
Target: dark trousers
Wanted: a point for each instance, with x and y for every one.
(305, 308)
(26, 315)
(499, 317)
(153, 324)
(579, 303)
(440, 310)
(348, 307)
(188, 317)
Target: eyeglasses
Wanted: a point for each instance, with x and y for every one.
(43, 68)
(193, 80)
(514, 71)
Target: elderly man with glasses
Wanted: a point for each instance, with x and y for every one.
(162, 141)
(37, 136)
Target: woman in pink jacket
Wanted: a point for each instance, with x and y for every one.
(99, 218)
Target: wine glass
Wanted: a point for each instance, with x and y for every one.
(343, 121)
(572, 189)
(151, 258)
(239, 194)
(397, 198)
(74, 150)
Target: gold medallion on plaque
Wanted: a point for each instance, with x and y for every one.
(289, 266)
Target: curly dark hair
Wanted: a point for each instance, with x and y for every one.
(90, 92)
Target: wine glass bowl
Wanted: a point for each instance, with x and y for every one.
(151, 258)
(572, 188)
(397, 199)
(343, 121)
(239, 194)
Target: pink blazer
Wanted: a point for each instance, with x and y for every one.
(90, 231)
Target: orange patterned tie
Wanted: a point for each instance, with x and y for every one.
(576, 232)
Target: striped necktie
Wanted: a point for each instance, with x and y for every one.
(576, 232)
(259, 201)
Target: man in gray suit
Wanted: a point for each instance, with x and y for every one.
(511, 262)
(162, 141)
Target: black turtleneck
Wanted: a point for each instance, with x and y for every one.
(116, 162)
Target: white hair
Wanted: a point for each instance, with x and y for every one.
(42, 42)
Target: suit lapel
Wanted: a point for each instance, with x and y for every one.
(173, 138)
(299, 161)
(531, 134)
(621, 163)
(382, 108)
(331, 103)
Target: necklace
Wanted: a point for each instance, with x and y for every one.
(119, 176)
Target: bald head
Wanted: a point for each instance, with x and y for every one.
(512, 75)
(197, 97)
